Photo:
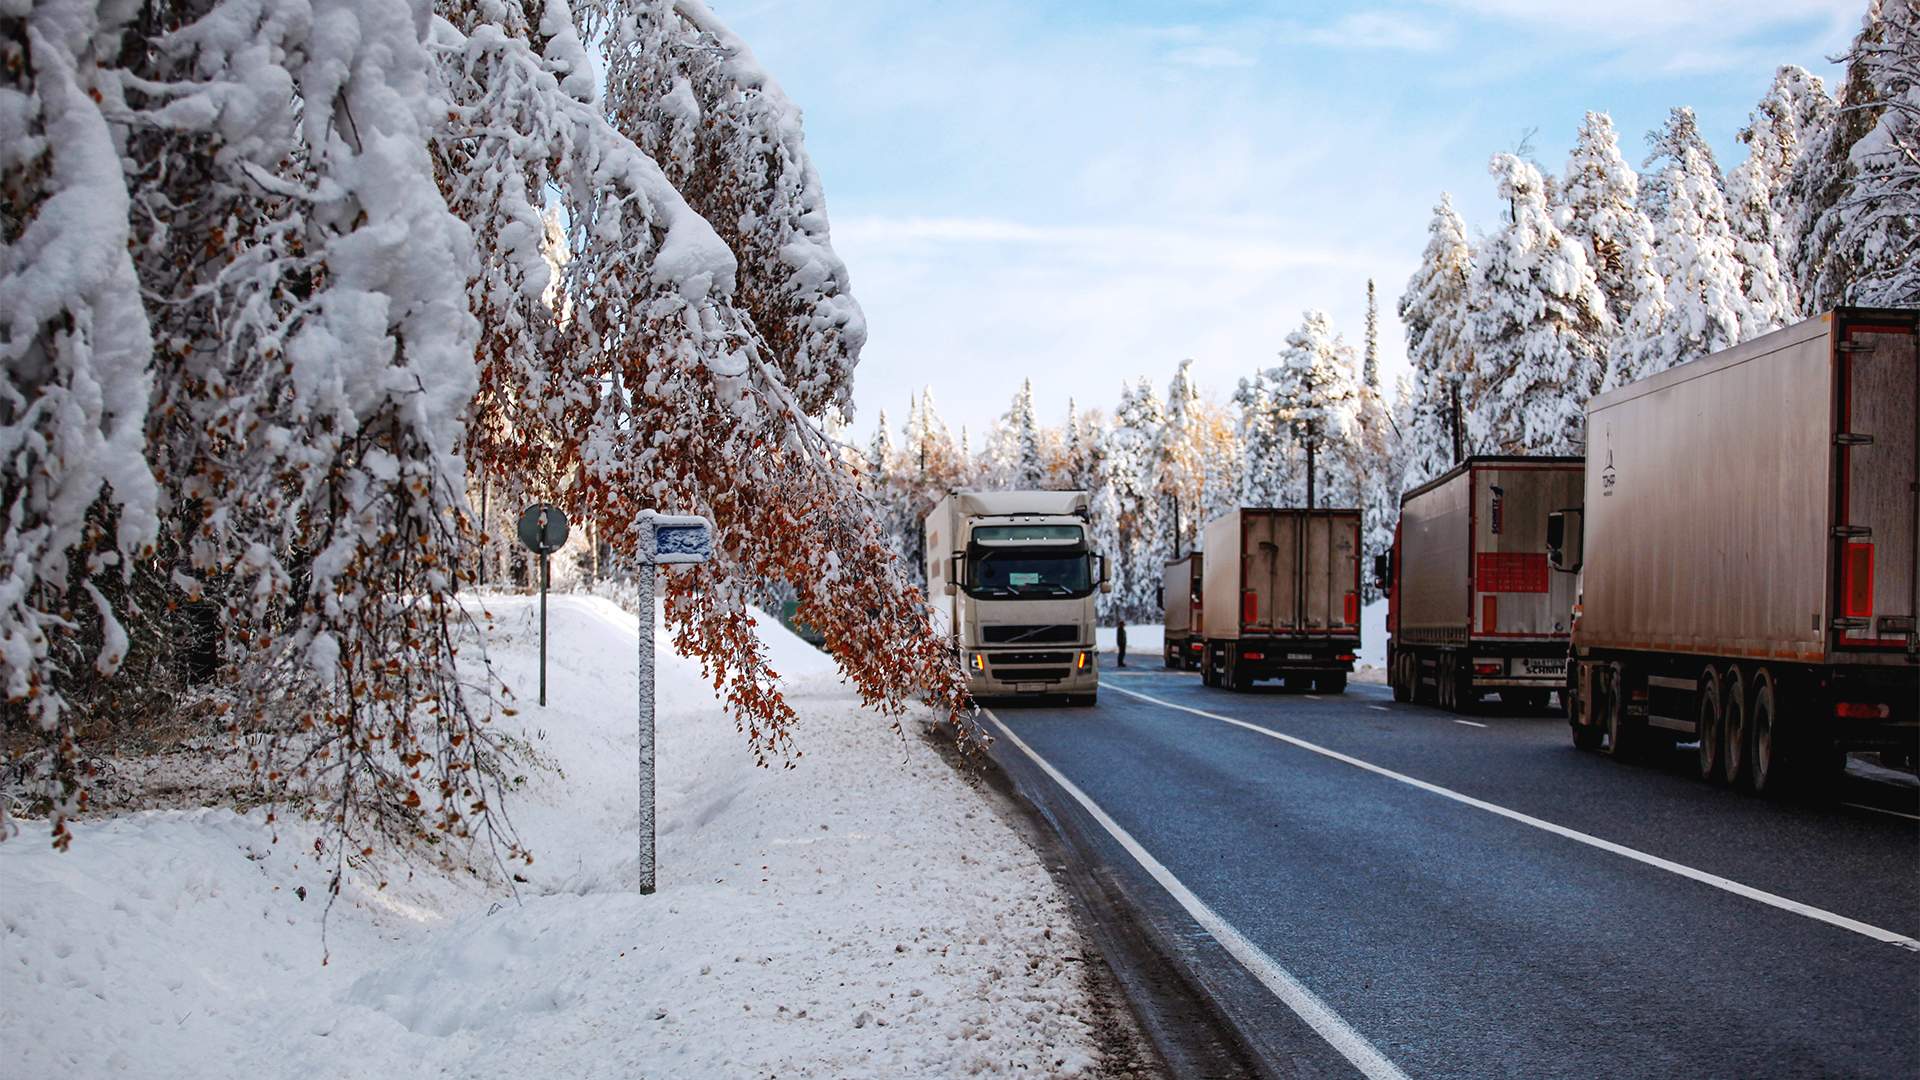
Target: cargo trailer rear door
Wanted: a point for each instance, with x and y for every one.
(1880, 388)
(1272, 552)
(1330, 573)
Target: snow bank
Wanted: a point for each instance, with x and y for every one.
(863, 914)
(1143, 639)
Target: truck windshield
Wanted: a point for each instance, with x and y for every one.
(1033, 573)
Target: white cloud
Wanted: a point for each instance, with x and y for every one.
(1211, 56)
(1393, 30)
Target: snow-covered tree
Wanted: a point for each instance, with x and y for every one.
(1434, 310)
(1694, 252)
(1825, 266)
(1128, 515)
(1601, 211)
(1539, 327)
(1315, 396)
(1267, 446)
(1013, 458)
(1370, 355)
(1880, 214)
(1794, 108)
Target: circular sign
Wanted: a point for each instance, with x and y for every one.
(543, 528)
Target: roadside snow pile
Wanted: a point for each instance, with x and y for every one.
(864, 914)
(1143, 639)
(1370, 666)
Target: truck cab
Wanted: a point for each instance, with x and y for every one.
(1013, 575)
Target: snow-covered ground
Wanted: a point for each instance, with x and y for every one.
(865, 914)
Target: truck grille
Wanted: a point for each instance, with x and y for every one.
(1035, 635)
(1003, 659)
(1038, 674)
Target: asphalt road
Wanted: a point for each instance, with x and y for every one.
(1409, 894)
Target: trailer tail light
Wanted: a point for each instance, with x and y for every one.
(1253, 656)
(1487, 669)
(1249, 607)
(1860, 710)
(1194, 645)
(1345, 657)
(1489, 614)
(1353, 608)
(1856, 581)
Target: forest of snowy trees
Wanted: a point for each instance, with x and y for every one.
(290, 288)
(1595, 276)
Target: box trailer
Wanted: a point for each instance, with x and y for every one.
(1182, 603)
(1747, 562)
(1471, 605)
(1011, 577)
(1280, 596)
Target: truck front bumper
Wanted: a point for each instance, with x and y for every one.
(1029, 672)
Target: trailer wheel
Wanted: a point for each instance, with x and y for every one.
(1443, 682)
(1172, 651)
(1400, 677)
(1207, 677)
(1709, 722)
(1587, 736)
(1625, 739)
(1332, 684)
(1763, 771)
(1236, 682)
(1733, 727)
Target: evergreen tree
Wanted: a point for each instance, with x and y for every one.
(1370, 360)
(1013, 445)
(1267, 451)
(1181, 460)
(1601, 211)
(1315, 397)
(1694, 253)
(1824, 263)
(1434, 310)
(1880, 215)
(1794, 109)
(1128, 519)
(1539, 327)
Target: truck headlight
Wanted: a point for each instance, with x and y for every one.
(1086, 658)
(979, 663)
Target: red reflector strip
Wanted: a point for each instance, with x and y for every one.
(1856, 580)
(1489, 614)
(1353, 608)
(1194, 646)
(1249, 607)
(1860, 710)
(1345, 657)
(1486, 669)
(1253, 656)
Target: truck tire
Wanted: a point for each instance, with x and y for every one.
(1625, 739)
(1709, 723)
(1734, 733)
(1332, 684)
(1587, 736)
(1400, 677)
(1443, 681)
(1236, 682)
(1173, 654)
(1763, 721)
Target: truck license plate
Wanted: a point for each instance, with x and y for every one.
(1544, 667)
(1299, 656)
(1029, 687)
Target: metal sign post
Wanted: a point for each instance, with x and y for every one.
(664, 539)
(543, 529)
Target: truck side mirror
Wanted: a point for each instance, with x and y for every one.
(1106, 583)
(956, 566)
(1160, 595)
(1383, 571)
(1564, 541)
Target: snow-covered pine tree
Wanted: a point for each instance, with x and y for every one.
(1823, 179)
(1267, 448)
(1601, 211)
(1375, 452)
(1181, 459)
(1795, 107)
(1128, 518)
(1370, 357)
(1539, 327)
(1013, 445)
(1434, 311)
(1694, 252)
(1880, 214)
(694, 98)
(1315, 396)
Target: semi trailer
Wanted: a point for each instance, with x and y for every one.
(1746, 555)
(1471, 606)
(1182, 604)
(1280, 596)
(1011, 576)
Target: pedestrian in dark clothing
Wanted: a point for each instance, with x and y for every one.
(1120, 641)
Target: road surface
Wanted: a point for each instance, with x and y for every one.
(1381, 889)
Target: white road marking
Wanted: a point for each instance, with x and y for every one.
(1379, 708)
(1681, 869)
(1328, 1024)
(1470, 723)
(1883, 810)
(1311, 697)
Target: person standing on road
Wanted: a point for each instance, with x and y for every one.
(1120, 641)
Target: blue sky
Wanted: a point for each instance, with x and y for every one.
(1082, 192)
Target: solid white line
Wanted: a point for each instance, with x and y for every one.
(1681, 869)
(1324, 1021)
(1470, 723)
(1883, 810)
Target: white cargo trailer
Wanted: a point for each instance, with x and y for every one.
(1281, 597)
(1748, 558)
(1471, 605)
(1011, 576)
(1181, 602)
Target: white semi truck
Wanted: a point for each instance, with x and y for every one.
(1012, 576)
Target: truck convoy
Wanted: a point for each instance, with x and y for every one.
(1471, 605)
(1281, 598)
(1012, 576)
(1747, 563)
(1181, 601)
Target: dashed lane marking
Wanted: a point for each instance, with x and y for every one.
(1883, 810)
(1324, 1021)
(1379, 708)
(1671, 867)
(1470, 723)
